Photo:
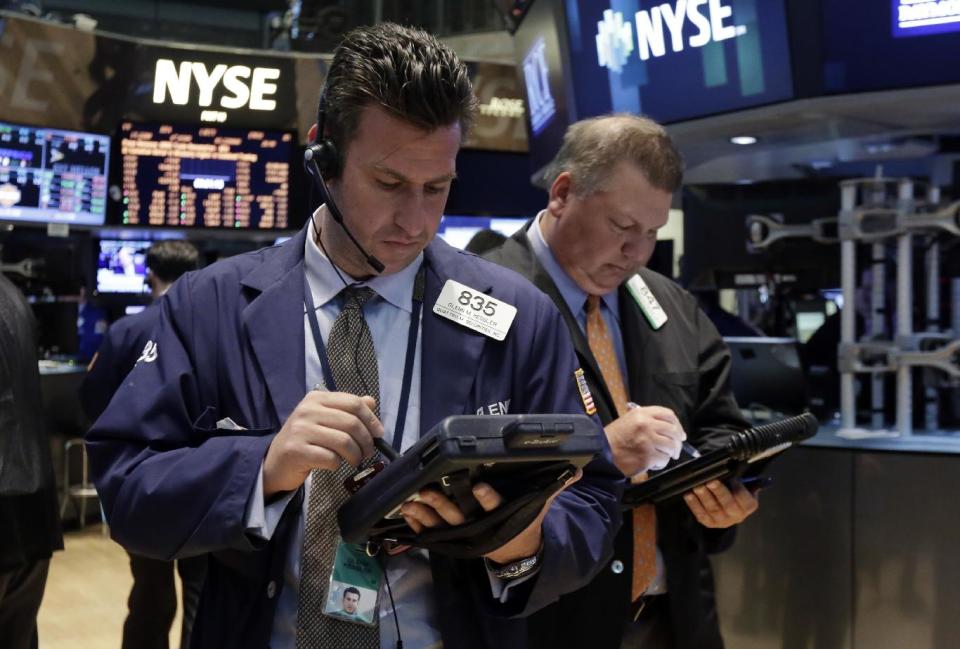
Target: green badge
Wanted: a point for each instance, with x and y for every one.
(647, 302)
(354, 591)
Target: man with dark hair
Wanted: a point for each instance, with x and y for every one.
(272, 373)
(167, 261)
(641, 340)
(351, 597)
(29, 521)
(152, 604)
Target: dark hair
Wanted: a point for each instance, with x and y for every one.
(351, 589)
(403, 70)
(593, 147)
(168, 260)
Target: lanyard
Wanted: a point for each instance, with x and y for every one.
(412, 334)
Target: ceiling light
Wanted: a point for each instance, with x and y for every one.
(743, 140)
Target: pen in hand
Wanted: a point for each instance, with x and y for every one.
(687, 447)
(378, 442)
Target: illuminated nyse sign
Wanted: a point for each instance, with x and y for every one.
(655, 26)
(242, 86)
(536, 75)
(921, 17)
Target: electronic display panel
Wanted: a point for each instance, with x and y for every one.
(204, 177)
(49, 175)
(540, 49)
(678, 60)
(909, 44)
(459, 230)
(122, 266)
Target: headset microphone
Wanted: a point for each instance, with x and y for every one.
(322, 156)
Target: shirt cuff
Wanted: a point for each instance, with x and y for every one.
(260, 519)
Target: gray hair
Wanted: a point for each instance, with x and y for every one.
(593, 147)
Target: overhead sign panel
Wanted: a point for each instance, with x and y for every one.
(922, 17)
(677, 60)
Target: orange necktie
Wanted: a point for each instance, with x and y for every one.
(644, 516)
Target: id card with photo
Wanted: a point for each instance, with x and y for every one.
(353, 594)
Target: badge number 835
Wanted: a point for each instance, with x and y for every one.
(478, 303)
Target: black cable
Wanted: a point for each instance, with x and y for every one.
(327, 254)
(386, 579)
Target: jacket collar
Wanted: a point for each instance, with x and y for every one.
(273, 320)
(516, 253)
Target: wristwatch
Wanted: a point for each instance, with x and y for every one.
(515, 569)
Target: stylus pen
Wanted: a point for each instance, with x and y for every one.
(687, 447)
(385, 449)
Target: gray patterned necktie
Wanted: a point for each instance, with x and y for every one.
(353, 362)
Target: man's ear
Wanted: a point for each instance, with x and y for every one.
(560, 192)
(312, 134)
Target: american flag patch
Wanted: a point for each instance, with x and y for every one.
(585, 395)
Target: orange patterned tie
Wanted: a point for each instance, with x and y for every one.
(644, 516)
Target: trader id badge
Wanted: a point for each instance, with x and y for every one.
(354, 591)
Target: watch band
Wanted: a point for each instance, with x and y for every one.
(515, 569)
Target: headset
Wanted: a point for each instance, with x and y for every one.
(321, 159)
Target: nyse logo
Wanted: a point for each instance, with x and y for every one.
(243, 86)
(656, 24)
(614, 40)
(536, 75)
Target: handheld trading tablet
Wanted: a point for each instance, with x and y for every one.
(526, 458)
(745, 454)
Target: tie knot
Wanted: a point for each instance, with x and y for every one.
(354, 297)
(593, 303)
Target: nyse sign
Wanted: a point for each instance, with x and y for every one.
(683, 23)
(239, 86)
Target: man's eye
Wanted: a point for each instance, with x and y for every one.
(433, 189)
(388, 186)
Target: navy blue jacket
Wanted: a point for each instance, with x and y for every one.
(121, 347)
(230, 343)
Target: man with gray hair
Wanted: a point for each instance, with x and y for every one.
(641, 339)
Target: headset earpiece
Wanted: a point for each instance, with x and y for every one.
(322, 150)
(328, 160)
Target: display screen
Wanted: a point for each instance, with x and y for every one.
(915, 44)
(204, 176)
(122, 266)
(539, 45)
(459, 230)
(50, 175)
(677, 60)
(922, 17)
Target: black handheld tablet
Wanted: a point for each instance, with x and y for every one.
(521, 456)
(744, 454)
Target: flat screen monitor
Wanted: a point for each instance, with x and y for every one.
(766, 373)
(49, 175)
(675, 61)
(540, 49)
(205, 177)
(898, 44)
(459, 230)
(122, 266)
